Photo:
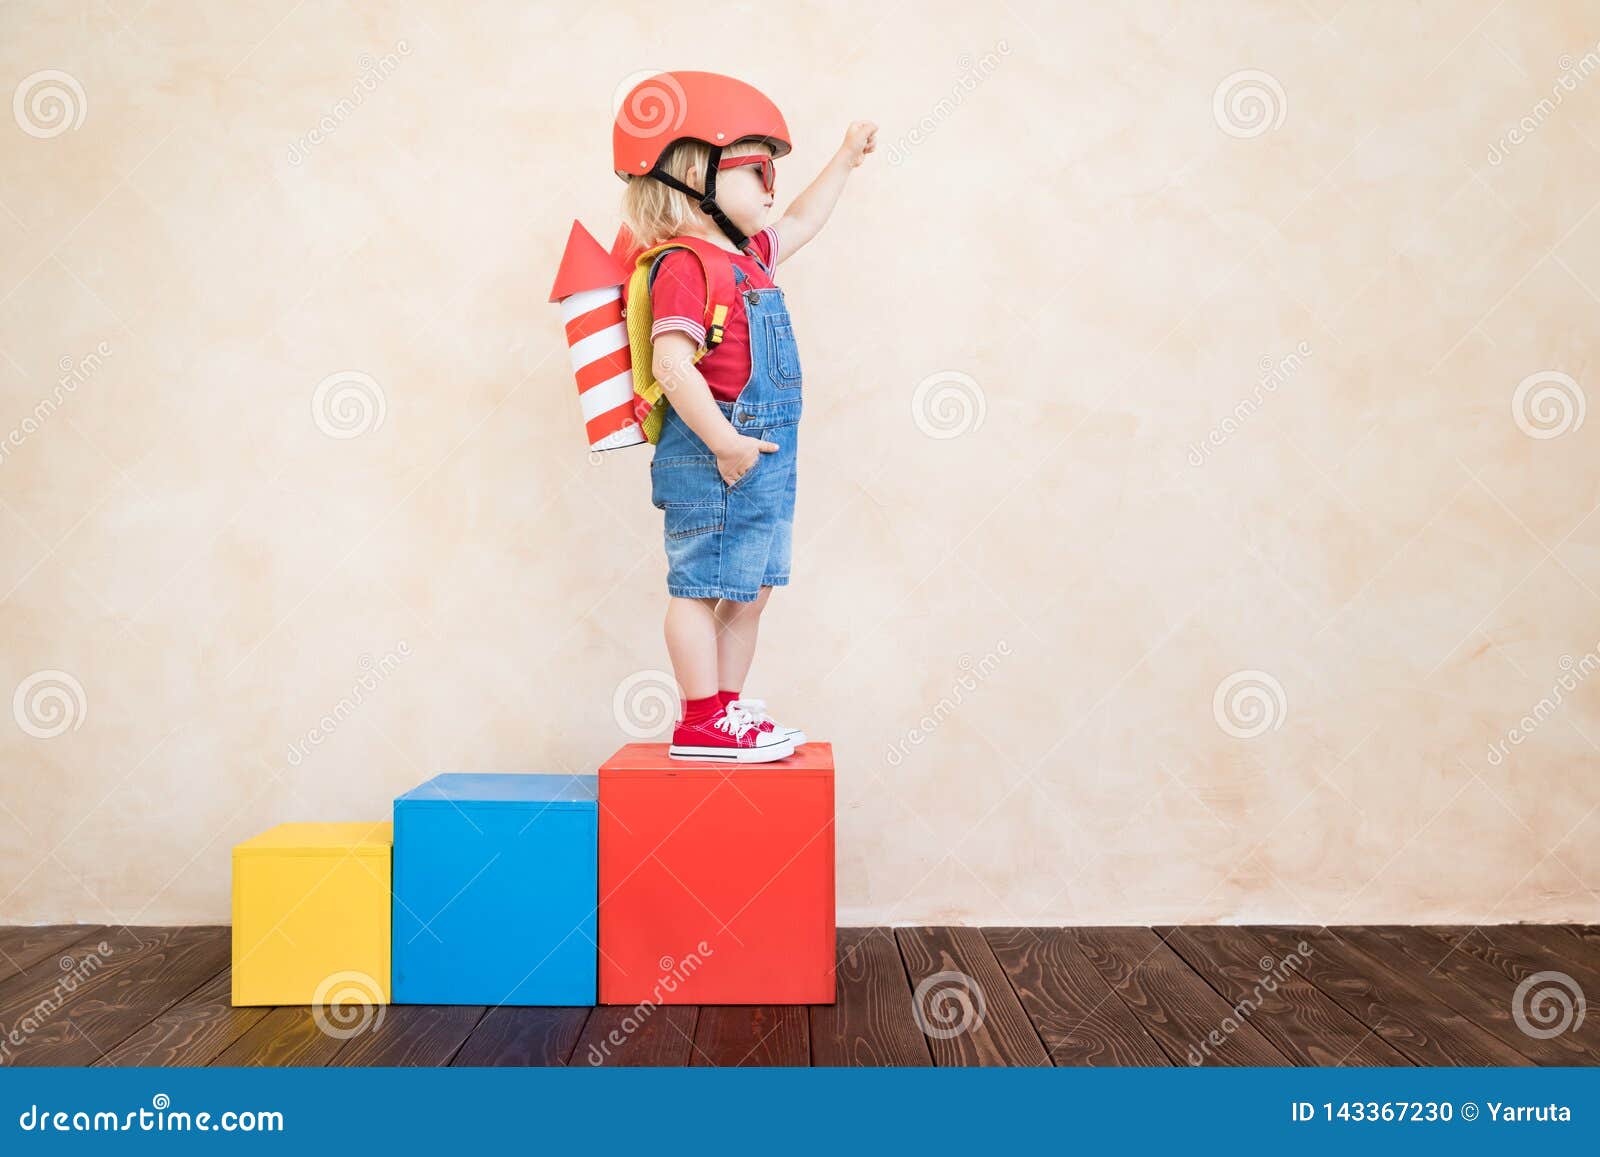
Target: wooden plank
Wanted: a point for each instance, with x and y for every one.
(524, 1037)
(1588, 933)
(1079, 1019)
(641, 1036)
(871, 1023)
(1532, 949)
(1474, 989)
(968, 1011)
(21, 948)
(48, 965)
(1175, 1005)
(1568, 940)
(1412, 1019)
(192, 1031)
(413, 1035)
(1301, 1021)
(1494, 946)
(1436, 995)
(284, 1037)
(752, 1036)
(136, 976)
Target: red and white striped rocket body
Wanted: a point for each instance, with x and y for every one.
(589, 289)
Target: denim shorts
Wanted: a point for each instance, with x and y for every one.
(724, 541)
(727, 542)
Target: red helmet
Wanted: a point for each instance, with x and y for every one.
(701, 106)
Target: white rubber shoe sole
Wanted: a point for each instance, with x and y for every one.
(764, 754)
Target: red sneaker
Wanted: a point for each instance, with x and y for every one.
(729, 735)
(757, 710)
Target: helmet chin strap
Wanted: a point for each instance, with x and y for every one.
(707, 200)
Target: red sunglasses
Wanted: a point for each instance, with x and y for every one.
(769, 171)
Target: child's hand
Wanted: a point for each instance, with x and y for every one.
(739, 455)
(859, 140)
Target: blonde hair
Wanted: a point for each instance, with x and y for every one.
(655, 212)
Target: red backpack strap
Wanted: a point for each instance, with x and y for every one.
(717, 265)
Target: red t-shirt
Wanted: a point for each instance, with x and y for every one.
(678, 301)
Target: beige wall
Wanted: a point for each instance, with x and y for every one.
(1014, 636)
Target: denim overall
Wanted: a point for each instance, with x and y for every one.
(730, 541)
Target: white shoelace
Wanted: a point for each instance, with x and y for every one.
(734, 720)
(753, 709)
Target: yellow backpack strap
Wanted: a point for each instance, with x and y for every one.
(719, 318)
(649, 393)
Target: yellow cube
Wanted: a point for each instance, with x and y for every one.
(311, 915)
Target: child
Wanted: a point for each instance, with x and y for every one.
(724, 466)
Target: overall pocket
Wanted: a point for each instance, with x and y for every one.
(687, 521)
(783, 357)
(684, 480)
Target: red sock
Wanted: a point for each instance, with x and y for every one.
(727, 696)
(700, 710)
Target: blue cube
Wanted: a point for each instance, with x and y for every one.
(494, 890)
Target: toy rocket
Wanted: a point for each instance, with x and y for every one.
(589, 288)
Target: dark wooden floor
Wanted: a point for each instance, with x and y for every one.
(1067, 996)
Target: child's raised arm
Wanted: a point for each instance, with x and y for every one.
(810, 210)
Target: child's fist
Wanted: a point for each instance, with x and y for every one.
(860, 139)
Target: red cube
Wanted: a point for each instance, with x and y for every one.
(716, 879)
